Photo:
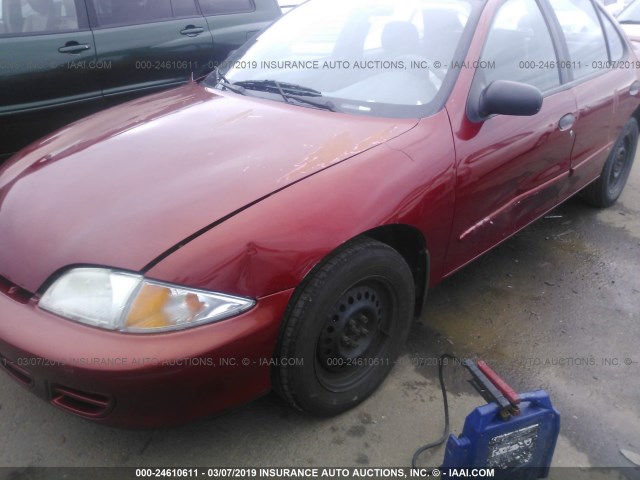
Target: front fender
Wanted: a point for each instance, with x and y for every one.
(272, 245)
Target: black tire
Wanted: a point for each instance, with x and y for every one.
(365, 292)
(606, 190)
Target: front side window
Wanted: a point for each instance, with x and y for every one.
(519, 47)
(131, 12)
(383, 58)
(37, 16)
(585, 40)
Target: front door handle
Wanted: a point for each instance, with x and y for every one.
(566, 122)
(74, 47)
(191, 31)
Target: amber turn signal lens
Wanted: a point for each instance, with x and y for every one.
(148, 309)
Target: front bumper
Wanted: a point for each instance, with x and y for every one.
(144, 380)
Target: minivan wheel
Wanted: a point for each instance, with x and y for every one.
(606, 190)
(344, 328)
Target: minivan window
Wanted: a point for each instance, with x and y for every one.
(184, 8)
(581, 27)
(37, 16)
(131, 12)
(225, 7)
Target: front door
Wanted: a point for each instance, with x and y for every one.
(510, 169)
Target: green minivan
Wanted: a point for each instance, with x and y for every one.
(63, 59)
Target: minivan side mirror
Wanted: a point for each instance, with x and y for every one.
(504, 97)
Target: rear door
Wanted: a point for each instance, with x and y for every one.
(510, 169)
(601, 79)
(233, 22)
(47, 63)
(148, 44)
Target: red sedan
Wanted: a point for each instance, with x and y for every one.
(277, 224)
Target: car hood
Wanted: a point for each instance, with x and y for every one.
(123, 186)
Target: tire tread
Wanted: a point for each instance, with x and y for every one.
(595, 194)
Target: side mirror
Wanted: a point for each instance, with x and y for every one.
(504, 97)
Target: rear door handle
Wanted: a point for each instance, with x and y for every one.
(191, 31)
(74, 47)
(566, 122)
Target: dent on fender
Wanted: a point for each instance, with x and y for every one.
(273, 246)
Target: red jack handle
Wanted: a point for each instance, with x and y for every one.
(508, 392)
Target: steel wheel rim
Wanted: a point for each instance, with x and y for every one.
(355, 335)
(621, 162)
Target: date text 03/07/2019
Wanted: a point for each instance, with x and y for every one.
(311, 472)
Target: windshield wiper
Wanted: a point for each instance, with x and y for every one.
(292, 87)
(300, 90)
(629, 22)
(283, 88)
(323, 105)
(225, 83)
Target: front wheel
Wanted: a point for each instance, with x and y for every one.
(606, 190)
(344, 328)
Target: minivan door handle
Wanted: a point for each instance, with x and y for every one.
(566, 122)
(191, 30)
(74, 47)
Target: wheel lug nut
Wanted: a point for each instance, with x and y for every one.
(354, 326)
(348, 342)
(363, 318)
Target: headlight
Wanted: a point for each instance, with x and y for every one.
(130, 303)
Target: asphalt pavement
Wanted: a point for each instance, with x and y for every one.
(556, 307)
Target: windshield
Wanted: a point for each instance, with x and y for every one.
(630, 14)
(383, 57)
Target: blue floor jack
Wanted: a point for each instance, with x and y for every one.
(514, 434)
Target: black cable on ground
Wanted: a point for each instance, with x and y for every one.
(445, 435)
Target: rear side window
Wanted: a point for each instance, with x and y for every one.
(519, 47)
(225, 7)
(37, 16)
(131, 12)
(614, 42)
(581, 27)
